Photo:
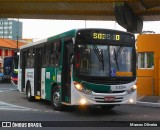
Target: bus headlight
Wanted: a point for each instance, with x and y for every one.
(131, 100)
(80, 88)
(83, 101)
(134, 87)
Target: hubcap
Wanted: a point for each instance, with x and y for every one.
(56, 98)
(28, 93)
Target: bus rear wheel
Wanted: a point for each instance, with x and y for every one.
(29, 97)
(55, 100)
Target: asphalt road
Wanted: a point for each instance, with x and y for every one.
(15, 107)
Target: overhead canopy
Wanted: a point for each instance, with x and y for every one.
(147, 10)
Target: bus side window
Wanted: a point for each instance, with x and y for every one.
(43, 56)
(48, 55)
(27, 58)
(55, 53)
(30, 58)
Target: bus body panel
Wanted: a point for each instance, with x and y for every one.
(29, 78)
(50, 78)
(43, 92)
(20, 80)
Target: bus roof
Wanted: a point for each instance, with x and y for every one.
(68, 33)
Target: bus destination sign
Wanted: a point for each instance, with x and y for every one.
(106, 36)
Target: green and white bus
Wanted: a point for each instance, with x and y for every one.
(80, 67)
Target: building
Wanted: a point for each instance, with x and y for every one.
(148, 72)
(7, 48)
(11, 29)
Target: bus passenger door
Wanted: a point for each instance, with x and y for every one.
(23, 61)
(66, 77)
(37, 72)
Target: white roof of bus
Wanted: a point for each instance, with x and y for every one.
(33, 43)
(42, 41)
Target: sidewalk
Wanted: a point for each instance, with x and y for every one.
(152, 101)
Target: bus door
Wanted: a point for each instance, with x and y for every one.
(66, 70)
(37, 72)
(23, 59)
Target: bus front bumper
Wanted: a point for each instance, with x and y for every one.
(104, 98)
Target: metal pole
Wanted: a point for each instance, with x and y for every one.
(17, 33)
(3, 27)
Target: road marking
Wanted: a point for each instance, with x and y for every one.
(148, 104)
(7, 89)
(7, 106)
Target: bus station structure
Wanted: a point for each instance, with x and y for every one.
(130, 14)
(148, 71)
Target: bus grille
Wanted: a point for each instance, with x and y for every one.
(119, 91)
(111, 91)
(108, 101)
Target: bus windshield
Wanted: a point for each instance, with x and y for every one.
(103, 60)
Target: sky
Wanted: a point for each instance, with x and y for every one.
(38, 29)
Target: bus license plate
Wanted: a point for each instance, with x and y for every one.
(109, 98)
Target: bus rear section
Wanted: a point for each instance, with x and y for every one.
(80, 67)
(7, 67)
(10, 67)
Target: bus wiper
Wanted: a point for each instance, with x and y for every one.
(119, 51)
(115, 58)
(99, 55)
(117, 55)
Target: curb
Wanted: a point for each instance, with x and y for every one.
(148, 104)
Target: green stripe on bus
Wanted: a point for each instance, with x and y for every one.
(96, 87)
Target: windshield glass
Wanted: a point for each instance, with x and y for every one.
(103, 60)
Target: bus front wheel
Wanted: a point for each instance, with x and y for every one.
(55, 100)
(29, 97)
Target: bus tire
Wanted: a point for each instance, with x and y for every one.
(107, 107)
(55, 100)
(29, 97)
